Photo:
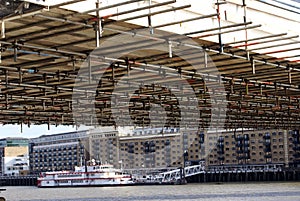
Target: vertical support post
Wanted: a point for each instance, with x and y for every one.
(6, 78)
(247, 87)
(113, 72)
(20, 75)
(149, 19)
(73, 64)
(248, 55)
(45, 78)
(205, 59)
(6, 101)
(98, 25)
(44, 105)
(204, 85)
(58, 75)
(290, 76)
(21, 127)
(261, 91)
(246, 32)
(219, 22)
(231, 86)
(285, 90)
(0, 53)
(180, 173)
(185, 159)
(127, 66)
(2, 29)
(90, 69)
(49, 123)
(15, 52)
(150, 24)
(252, 65)
(170, 49)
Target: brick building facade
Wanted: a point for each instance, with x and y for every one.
(157, 148)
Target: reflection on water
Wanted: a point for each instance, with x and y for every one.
(221, 192)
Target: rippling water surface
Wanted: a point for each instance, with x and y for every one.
(218, 192)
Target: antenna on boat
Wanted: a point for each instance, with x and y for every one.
(121, 162)
(85, 164)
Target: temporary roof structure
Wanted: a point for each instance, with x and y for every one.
(48, 55)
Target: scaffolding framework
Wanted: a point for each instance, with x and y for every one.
(42, 52)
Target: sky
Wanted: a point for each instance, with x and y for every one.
(34, 130)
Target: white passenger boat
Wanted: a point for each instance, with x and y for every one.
(95, 175)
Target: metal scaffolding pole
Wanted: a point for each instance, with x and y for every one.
(272, 46)
(187, 20)
(283, 58)
(280, 51)
(66, 3)
(138, 9)
(229, 31)
(110, 6)
(246, 32)
(214, 29)
(98, 28)
(258, 38)
(153, 13)
(266, 41)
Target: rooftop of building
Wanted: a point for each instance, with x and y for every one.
(13, 138)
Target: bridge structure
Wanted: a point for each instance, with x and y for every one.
(179, 175)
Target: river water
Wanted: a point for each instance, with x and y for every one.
(213, 192)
